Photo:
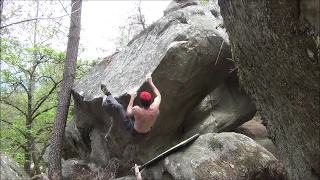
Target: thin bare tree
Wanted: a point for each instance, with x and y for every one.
(141, 20)
(135, 23)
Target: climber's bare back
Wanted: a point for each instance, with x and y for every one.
(144, 118)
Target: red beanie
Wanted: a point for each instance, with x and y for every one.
(145, 96)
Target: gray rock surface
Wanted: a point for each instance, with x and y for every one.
(11, 170)
(310, 11)
(275, 48)
(178, 4)
(221, 156)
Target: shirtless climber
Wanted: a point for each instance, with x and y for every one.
(145, 116)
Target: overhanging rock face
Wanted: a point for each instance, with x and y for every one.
(188, 55)
(276, 49)
(224, 109)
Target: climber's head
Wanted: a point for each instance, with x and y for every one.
(145, 99)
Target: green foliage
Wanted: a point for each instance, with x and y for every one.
(18, 63)
(31, 73)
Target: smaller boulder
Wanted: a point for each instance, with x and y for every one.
(258, 132)
(223, 156)
(253, 128)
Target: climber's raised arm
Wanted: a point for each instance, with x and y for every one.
(131, 109)
(157, 99)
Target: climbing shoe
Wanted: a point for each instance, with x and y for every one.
(104, 89)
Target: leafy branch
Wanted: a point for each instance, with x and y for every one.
(11, 124)
(45, 110)
(44, 98)
(14, 106)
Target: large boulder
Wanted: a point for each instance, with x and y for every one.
(275, 45)
(220, 156)
(188, 54)
(11, 169)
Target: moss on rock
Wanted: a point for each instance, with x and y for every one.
(215, 143)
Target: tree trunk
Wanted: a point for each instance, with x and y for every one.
(65, 92)
(31, 86)
(36, 159)
(27, 158)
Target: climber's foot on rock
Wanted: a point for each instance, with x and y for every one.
(104, 89)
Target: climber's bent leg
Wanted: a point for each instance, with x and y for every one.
(112, 102)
